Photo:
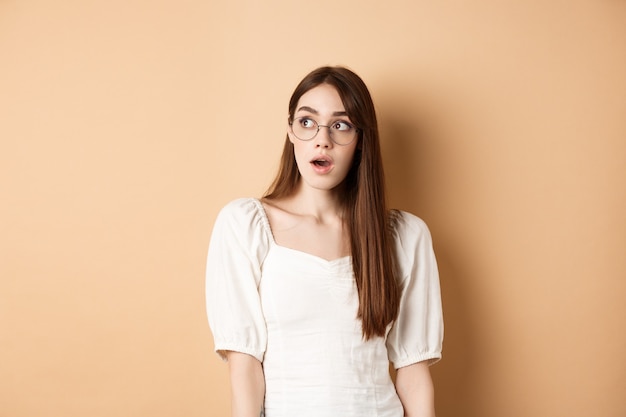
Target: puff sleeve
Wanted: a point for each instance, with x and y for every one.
(233, 273)
(417, 334)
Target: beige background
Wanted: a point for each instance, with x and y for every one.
(126, 125)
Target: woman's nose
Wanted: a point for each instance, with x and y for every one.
(322, 139)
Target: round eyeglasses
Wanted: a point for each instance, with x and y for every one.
(342, 133)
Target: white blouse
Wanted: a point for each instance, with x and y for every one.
(296, 313)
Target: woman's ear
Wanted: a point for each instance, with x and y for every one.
(289, 133)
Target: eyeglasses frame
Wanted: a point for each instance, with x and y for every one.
(356, 132)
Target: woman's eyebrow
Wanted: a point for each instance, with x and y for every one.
(312, 110)
(309, 109)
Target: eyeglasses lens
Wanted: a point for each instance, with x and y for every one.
(307, 129)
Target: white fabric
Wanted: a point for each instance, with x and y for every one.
(296, 313)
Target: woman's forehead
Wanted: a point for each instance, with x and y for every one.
(322, 99)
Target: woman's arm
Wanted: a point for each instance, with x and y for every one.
(247, 385)
(415, 389)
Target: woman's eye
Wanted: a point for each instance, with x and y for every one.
(307, 123)
(343, 126)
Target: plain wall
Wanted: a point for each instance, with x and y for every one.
(126, 125)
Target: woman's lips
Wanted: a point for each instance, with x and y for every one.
(322, 164)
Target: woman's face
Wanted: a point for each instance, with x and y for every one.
(322, 163)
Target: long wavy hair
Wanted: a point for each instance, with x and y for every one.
(362, 199)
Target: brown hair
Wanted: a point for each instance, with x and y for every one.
(363, 199)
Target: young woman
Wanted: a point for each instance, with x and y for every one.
(314, 288)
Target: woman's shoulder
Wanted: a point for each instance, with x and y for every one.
(412, 241)
(241, 223)
(243, 212)
(241, 206)
(403, 223)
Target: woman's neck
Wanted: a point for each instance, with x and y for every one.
(324, 205)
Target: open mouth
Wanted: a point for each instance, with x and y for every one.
(321, 162)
